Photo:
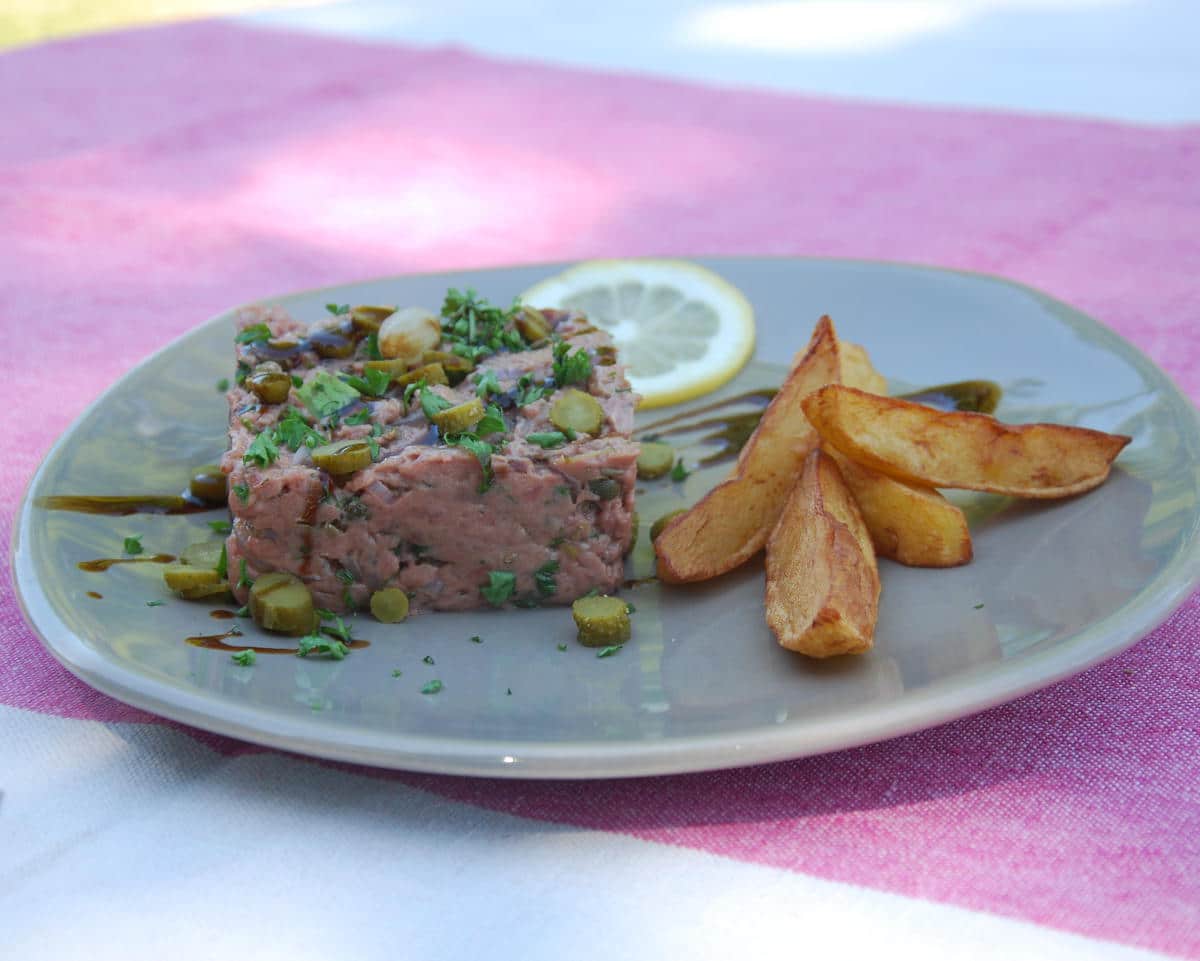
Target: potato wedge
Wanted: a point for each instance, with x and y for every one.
(822, 594)
(732, 522)
(858, 371)
(914, 525)
(934, 448)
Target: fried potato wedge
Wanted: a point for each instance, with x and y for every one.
(822, 594)
(732, 522)
(908, 523)
(858, 371)
(934, 448)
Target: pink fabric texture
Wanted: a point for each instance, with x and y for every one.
(151, 179)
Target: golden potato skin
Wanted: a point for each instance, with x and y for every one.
(822, 596)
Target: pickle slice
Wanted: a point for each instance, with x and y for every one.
(193, 582)
(281, 602)
(577, 411)
(389, 605)
(342, 457)
(456, 419)
(655, 459)
(601, 620)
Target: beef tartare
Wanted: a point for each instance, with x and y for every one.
(480, 457)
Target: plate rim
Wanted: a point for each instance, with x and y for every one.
(942, 701)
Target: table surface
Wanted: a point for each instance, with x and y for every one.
(163, 174)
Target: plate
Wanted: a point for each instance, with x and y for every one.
(1054, 587)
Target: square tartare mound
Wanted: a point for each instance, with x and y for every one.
(338, 471)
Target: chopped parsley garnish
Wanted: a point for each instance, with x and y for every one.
(562, 647)
(222, 385)
(220, 527)
(373, 383)
(155, 603)
(297, 380)
(253, 334)
(338, 630)
(345, 575)
(244, 658)
(486, 384)
(492, 423)
(978, 606)
(262, 450)
(411, 389)
(474, 328)
(360, 416)
(476, 639)
(482, 451)
(243, 611)
(325, 395)
(528, 392)
(547, 439)
(243, 577)
(242, 491)
(396, 672)
(609, 651)
(679, 472)
(427, 659)
(570, 368)
(629, 608)
(373, 346)
(499, 588)
(133, 544)
(432, 403)
(508, 691)
(223, 564)
(338, 309)
(316, 644)
(544, 578)
(431, 687)
(294, 431)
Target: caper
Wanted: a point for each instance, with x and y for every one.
(460, 417)
(655, 459)
(601, 620)
(207, 484)
(203, 554)
(605, 488)
(532, 325)
(271, 386)
(282, 602)
(657, 527)
(430, 373)
(366, 318)
(331, 342)
(193, 582)
(342, 457)
(389, 605)
(577, 411)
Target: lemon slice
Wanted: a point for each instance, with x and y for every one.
(682, 330)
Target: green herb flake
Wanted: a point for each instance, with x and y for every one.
(979, 606)
(338, 630)
(253, 334)
(492, 422)
(499, 588)
(432, 403)
(325, 395)
(316, 644)
(543, 577)
(220, 527)
(411, 389)
(262, 451)
(244, 658)
(243, 611)
(476, 639)
(431, 687)
(570, 368)
(222, 385)
(294, 432)
(297, 380)
(243, 578)
(360, 416)
(338, 309)
(345, 576)
(427, 659)
(373, 352)
(487, 384)
(562, 647)
(397, 673)
(223, 564)
(610, 650)
(679, 472)
(155, 603)
(547, 439)
(629, 608)
(242, 491)
(133, 544)
(508, 691)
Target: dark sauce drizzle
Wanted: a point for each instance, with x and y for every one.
(122, 506)
(104, 563)
(216, 642)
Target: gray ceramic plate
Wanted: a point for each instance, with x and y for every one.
(1054, 586)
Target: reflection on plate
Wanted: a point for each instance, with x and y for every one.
(1053, 587)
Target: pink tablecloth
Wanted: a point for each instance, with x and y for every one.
(151, 179)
